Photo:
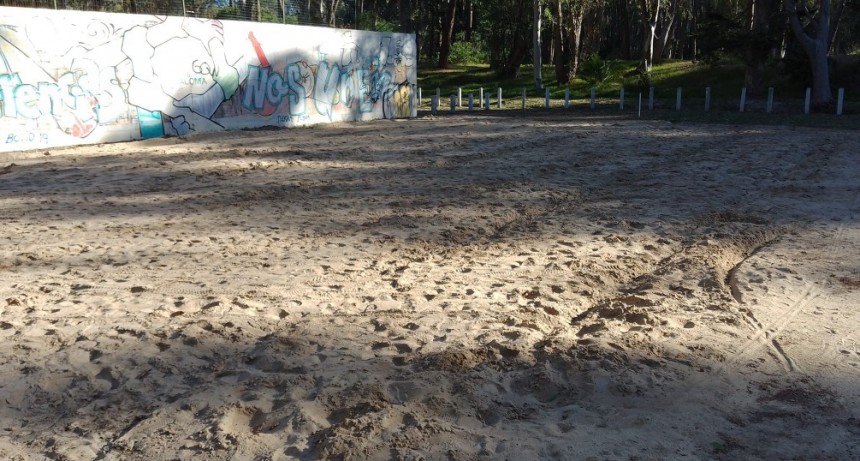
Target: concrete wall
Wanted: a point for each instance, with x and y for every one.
(70, 77)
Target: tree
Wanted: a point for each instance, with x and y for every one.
(815, 43)
(447, 33)
(567, 17)
(505, 26)
(658, 28)
(650, 10)
(759, 43)
(536, 49)
(575, 15)
(562, 69)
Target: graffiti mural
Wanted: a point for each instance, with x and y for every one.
(70, 77)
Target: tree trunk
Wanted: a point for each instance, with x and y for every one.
(836, 19)
(470, 24)
(515, 58)
(334, 8)
(447, 34)
(816, 49)
(433, 38)
(403, 10)
(697, 11)
(246, 8)
(536, 51)
(562, 71)
(757, 48)
(592, 33)
(822, 95)
(624, 25)
(667, 32)
(575, 15)
(651, 14)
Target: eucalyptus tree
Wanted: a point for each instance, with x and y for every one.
(448, 22)
(658, 25)
(811, 28)
(505, 26)
(568, 21)
(537, 13)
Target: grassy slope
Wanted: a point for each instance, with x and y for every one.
(725, 82)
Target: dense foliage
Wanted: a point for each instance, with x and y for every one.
(770, 37)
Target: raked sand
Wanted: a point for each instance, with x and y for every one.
(463, 288)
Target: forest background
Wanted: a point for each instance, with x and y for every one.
(758, 44)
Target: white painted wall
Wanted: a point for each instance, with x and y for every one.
(69, 77)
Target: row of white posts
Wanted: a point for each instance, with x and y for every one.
(484, 100)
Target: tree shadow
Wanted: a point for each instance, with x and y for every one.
(227, 389)
(253, 374)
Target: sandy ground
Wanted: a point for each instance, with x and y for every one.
(454, 288)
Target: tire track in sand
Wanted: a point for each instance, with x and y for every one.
(766, 333)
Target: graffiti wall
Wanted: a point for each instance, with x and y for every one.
(70, 77)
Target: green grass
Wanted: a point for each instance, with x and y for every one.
(666, 76)
(725, 82)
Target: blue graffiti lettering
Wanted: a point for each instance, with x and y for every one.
(254, 94)
(13, 138)
(8, 83)
(365, 102)
(297, 92)
(292, 119)
(347, 88)
(276, 90)
(325, 88)
(50, 99)
(45, 98)
(383, 85)
(26, 101)
(263, 87)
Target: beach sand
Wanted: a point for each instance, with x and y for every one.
(459, 287)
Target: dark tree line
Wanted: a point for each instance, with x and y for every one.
(760, 33)
(800, 34)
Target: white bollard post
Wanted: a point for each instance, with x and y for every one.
(434, 105)
(481, 97)
(524, 99)
(459, 97)
(500, 97)
(593, 98)
(438, 93)
(419, 96)
(621, 99)
(678, 100)
(639, 110)
(546, 98)
(743, 99)
(806, 103)
(707, 99)
(471, 103)
(839, 99)
(770, 100)
(487, 101)
(650, 98)
(453, 103)
(567, 98)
